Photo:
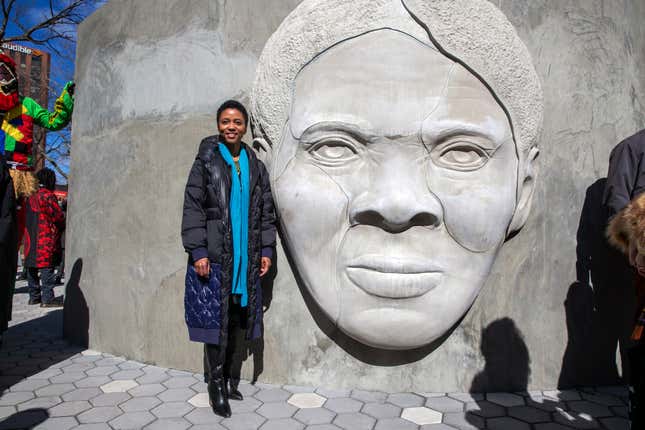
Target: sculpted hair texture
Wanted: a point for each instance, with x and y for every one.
(473, 33)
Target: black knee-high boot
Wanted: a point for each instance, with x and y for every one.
(214, 357)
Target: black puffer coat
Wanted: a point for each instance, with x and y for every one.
(8, 244)
(206, 232)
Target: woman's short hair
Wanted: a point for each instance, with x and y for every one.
(233, 104)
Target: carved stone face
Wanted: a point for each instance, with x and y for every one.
(396, 180)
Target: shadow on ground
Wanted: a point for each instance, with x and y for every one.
(24, 420)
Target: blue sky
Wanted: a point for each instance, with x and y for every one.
(30, 12)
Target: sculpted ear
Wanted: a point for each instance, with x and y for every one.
(263, 150)
(525, 193)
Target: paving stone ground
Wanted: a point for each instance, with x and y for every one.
(48, 384)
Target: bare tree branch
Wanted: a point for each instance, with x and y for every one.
(56, 166)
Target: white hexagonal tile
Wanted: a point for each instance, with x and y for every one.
(119, 386)
(90, 352)
(200, 400)
(422, 416)
(307, 400)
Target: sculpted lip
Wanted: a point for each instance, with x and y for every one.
(394, 278)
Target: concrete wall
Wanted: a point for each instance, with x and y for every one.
(151, 74)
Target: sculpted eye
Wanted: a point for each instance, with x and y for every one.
(333, 152)
(462, 156)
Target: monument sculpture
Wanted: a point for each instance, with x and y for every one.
(401, 138)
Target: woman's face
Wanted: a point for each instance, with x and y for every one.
(396, 181)
(232, 126)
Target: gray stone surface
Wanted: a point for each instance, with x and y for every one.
(588, 56)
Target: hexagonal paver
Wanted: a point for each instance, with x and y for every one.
(110, 399)
(529, 415)
(92, 381)
(369, 396)
(40, 403)
(101, 414)
(394, 424)
(421, 415)
(603, 399)
(172, 409)
(295, 389)
(406, 400)
(169, 424)
(444, 404)
(146, 390)
(27, 385)
(593, 409)
(463, 421)
(10, 399)
(486, 409)
(244, 421)
(81, 394)
(132, 420)
(505, 399)
(354, 421)
(343, 405)
(276, 410)
(467, 397)
(119, 386)
(204, 416)
(71, 377)
(200, 400)
(506, 423)
(69, 409)
(249, 404)
(152, 377)
(282, 424)
(180, 382)
(272, 395)
(59, 423)
(551, 426)
(564, 395)
(333, 394)
(381, 410)
(140, 404)
(55, 390)
(176, 395)
(314, 416)
(102, 371)
(307, 400)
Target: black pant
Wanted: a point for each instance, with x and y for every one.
(220, 361)
(41, 285)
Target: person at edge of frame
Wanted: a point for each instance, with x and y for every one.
(228, 230)
(8, 245)
(624, 202)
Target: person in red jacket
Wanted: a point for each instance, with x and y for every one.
(44, 225)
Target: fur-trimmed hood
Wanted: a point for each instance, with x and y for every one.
(627, 228)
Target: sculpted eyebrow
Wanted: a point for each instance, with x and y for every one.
(445, 130)
(330, 127)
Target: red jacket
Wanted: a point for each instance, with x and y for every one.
(44, 225)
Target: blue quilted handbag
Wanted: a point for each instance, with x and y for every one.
(202, 305)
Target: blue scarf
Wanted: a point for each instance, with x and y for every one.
(239, 208)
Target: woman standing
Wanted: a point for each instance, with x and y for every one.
(228, 231)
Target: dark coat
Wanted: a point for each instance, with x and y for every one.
(626, 176)
(44, 226)
(8, 244)
(206, 232)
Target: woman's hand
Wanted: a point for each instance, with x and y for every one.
(265, 266)
(203, 267)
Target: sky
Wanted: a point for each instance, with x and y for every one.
(30, 12)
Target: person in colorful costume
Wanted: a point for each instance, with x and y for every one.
(19, 116)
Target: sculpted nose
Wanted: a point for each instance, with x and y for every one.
(396, 205)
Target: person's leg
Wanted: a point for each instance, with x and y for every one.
(33, 280)
(214, 356)
(48, 281)
(231, 370)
